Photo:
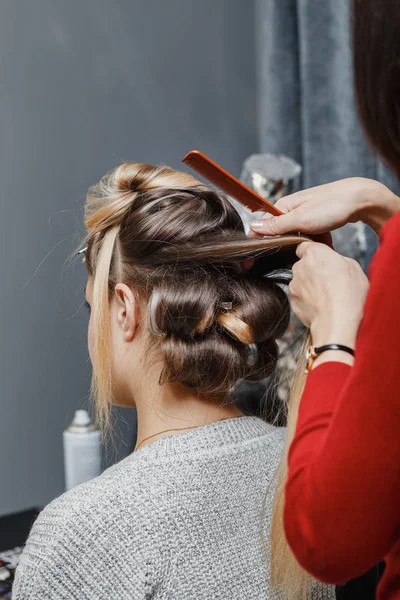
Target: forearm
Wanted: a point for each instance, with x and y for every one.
(343, 463)
(376, 204)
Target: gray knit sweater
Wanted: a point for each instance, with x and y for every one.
(179, 519)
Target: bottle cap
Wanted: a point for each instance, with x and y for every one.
(81, 418)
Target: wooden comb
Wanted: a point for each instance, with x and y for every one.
(228, 183)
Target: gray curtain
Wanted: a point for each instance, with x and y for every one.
(306, 100)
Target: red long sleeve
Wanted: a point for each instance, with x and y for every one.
(342, 511)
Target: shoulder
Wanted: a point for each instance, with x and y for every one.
(262, 453)
(95, 528)
(274, 439)
(265, 443)
(271, 450)
(278, 435)
(103, 504)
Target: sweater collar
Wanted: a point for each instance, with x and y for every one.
(206, 439)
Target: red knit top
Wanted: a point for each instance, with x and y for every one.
(342, 511)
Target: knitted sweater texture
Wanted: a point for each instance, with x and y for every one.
(179, 519)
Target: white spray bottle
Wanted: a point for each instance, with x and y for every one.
(82, 450)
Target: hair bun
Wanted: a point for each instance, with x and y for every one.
(206, 335)
(132, 177)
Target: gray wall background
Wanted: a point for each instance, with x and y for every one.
(84, 86)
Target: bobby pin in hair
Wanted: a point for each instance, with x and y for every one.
(83, 252)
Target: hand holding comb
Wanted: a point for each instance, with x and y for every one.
(237, 189)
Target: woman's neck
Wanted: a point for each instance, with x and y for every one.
(174, 409)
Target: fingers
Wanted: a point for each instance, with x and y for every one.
(275, 225)
(314, 249)
(262, 216)
(304, 248)
(288, 203)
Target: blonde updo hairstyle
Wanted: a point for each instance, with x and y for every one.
(181, 246)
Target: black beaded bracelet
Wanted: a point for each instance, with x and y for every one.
(313, 352)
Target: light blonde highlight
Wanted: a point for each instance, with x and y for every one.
(101, 386)
(236, 327)
(286, 573)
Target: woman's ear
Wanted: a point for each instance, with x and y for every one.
(127, 310)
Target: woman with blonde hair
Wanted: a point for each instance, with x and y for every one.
(183, 305)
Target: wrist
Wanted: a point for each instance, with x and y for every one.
(377, 205)
(337, 331)
(323, 335)
(333, 356)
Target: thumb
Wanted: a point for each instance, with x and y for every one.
(285, 223)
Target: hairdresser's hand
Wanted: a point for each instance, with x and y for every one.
(328, 293)
(327, 207)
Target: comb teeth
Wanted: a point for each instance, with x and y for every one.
(228, 183)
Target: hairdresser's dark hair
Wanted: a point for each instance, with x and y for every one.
(181, 246)
(376, 43)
